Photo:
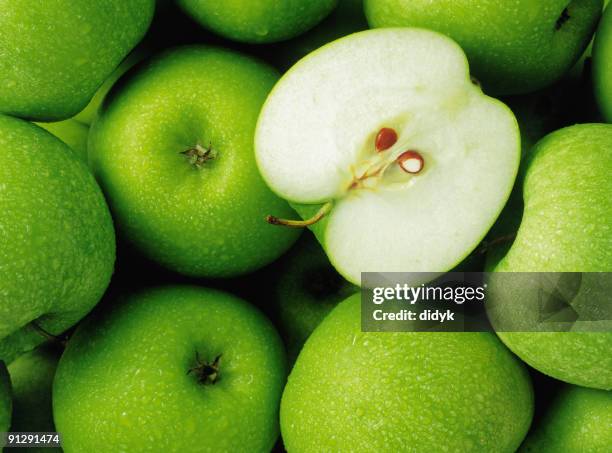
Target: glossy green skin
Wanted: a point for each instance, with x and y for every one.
(307, 290)
(89, 113)
(263, 21)
(58, 239)
(578, 420)
(123, 383)
(565, 228)
(514, 46)
(72, 133)
(56, 53)
(5, 399)
(602, 65)
(386, 392)
(32, 379)
(347, 18)
(205, 221)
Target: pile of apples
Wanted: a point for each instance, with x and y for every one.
(159, 160)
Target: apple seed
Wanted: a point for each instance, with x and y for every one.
(411, 162)
(385, 139)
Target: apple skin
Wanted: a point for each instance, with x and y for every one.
(88, 114)
(307, 289)
(205, 221)
(5, 399)
(58, 238)
(347, 18)
(356, 391)
(576, 421)
(513, 46)
(602, 65)
(80, 42)
(124, 382)
(72, 133)
(564, 228)
(263, 21)
(32, 380)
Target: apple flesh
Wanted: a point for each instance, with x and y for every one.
(514, 46)
(602, 65)
(57, 236)
(357, 391)
(565, 228)
(315, 146)
(578, 420)
(178, 368)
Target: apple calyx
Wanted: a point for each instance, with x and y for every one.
(206, 372)
(368, 174)
(198, 155)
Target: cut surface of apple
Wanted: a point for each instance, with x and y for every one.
(385, 129)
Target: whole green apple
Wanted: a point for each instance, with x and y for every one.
(371, 155)
(31, 380)
(565, 228)
(263, 21)
(602, 65)
(5, 399)
(308, 288)
(387, 392)
(72, 133)
(56, 53)
(514, 46)
(57, 236)
(173, 151)
(578, 420)
(345, 19)
(171, 369)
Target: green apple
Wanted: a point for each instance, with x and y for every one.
(514, 46)
(347, 18)
(171, 369)
(32, 379)
(57, 236)
(565, 228)
(173, 151)
(307, 289)
(5, 399)
(372, 154)
(602, 65)
(356, 391)
(56, 53)
(578, 420)
(263, 21)
(88, 114)
(72, 133)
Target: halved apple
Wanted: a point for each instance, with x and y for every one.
(389, 150)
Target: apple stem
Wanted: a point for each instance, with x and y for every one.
(48, 335)
(325, 209)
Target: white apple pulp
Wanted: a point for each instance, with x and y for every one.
(315, 143)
